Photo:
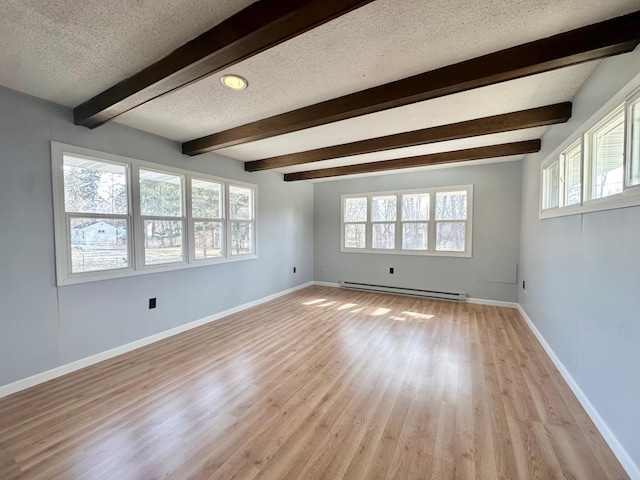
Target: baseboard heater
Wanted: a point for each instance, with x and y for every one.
(413, 292)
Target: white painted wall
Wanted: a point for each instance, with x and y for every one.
(582, 276)
(42, 326)
(489, 274)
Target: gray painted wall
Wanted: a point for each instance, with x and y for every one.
(582, 276)
(42, 326)
(496, 230)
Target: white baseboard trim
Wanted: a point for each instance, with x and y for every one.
(38, 378)
(619, 451)
(493, 303)
(327, 284)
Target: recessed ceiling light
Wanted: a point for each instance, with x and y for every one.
(234, 82)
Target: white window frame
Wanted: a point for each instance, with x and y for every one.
(64, 275)
(220, 219)
(630, 195)
(229, 221)
(139, 240)
(432, 223)
(633, 99)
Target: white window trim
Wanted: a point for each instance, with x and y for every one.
(134, 219)
(629, 197)
(467, 253)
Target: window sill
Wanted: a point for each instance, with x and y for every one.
(78, 278)
(415, 253)
(628, 198)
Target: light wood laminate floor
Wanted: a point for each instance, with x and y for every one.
(323, 383)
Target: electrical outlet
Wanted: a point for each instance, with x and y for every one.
(152, 303)
(391, 270)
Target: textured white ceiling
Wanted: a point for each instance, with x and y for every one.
(67, 51)
(383, 41)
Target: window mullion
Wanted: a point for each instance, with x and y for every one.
(138, 224)
(431, 237)
(227, 243)
(368, 236)
(188, 237)
(398, 232)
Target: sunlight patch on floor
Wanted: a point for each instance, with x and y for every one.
(328, 304)
(313, 302)
(347, 305)
(421, 316)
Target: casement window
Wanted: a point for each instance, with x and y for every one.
(116, 217)
(604, 157)
(600, 168)
(633, 126)
(435, 221)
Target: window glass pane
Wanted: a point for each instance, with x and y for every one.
(160, 194)
(383, 208)
(384, 235)
(450, 236)
(205, 199)
(414, 236)
(607, 152)
(98, 244)
(634, 130)
(354, 235)
(551, 186)
(162, 241)
(240, 203)
(208, 239)
(572, 180)
(415, 206)
(94, 187)
(451, 206)
(241, 238)
(355, 209)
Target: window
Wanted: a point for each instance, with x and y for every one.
(116, 216)
(383, 221)
(634, 142)
(208, 220)
(604, 164)
(354, 224)
(601, 168)
(451, 221)
(242, 220)
(161, 210)
(572, 174)
(96, 214)
(433, 221)
(552, 180)
(415, 221)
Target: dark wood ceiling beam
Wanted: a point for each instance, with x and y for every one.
(478, 153)
(531, 118)
(600, 40)
(260, 26)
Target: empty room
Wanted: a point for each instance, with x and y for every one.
(311, 239)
